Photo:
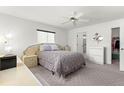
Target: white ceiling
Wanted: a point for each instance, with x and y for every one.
(54, 15)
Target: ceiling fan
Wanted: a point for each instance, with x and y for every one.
(75, 18)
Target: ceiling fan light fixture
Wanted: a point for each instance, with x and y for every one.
(72, 20)
(75, 18)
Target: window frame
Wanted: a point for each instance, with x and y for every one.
(46, 31)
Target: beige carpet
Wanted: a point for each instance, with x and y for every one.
(91, 75)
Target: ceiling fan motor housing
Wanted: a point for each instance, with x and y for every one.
(73, 19)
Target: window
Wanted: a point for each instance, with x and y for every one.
(45, 37)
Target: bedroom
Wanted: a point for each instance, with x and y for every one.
(84, 30)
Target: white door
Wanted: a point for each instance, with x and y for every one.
(81, 42)
(122, 48)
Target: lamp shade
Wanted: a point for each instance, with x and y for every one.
(3, 39)
(8, 48)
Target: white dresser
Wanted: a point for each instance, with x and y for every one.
(96, 55)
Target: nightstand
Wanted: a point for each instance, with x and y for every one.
(30, 61)
(7, 61)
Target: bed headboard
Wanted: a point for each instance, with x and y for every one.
(38, 46)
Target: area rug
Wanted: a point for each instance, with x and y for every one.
(92, 75)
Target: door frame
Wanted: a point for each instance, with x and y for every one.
(111, 45)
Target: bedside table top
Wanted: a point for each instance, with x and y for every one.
(7, 56)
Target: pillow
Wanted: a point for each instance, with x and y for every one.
(45, 48)
(54, 47)
(60, 47)
(67, 48)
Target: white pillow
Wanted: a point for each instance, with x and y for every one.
(54, 47)
(45, 48)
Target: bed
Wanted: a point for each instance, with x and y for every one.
(61, 63)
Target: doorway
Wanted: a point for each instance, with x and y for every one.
(115, 46)
(81, 42)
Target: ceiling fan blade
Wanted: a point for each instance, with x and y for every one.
(74, 13)
(79, 15)
(83, 20)
(65, 17)
(66, 22)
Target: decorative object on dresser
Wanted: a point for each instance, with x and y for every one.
(8, 61)
(97, 37)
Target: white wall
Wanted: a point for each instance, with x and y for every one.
(103, 29)
(24, 32)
